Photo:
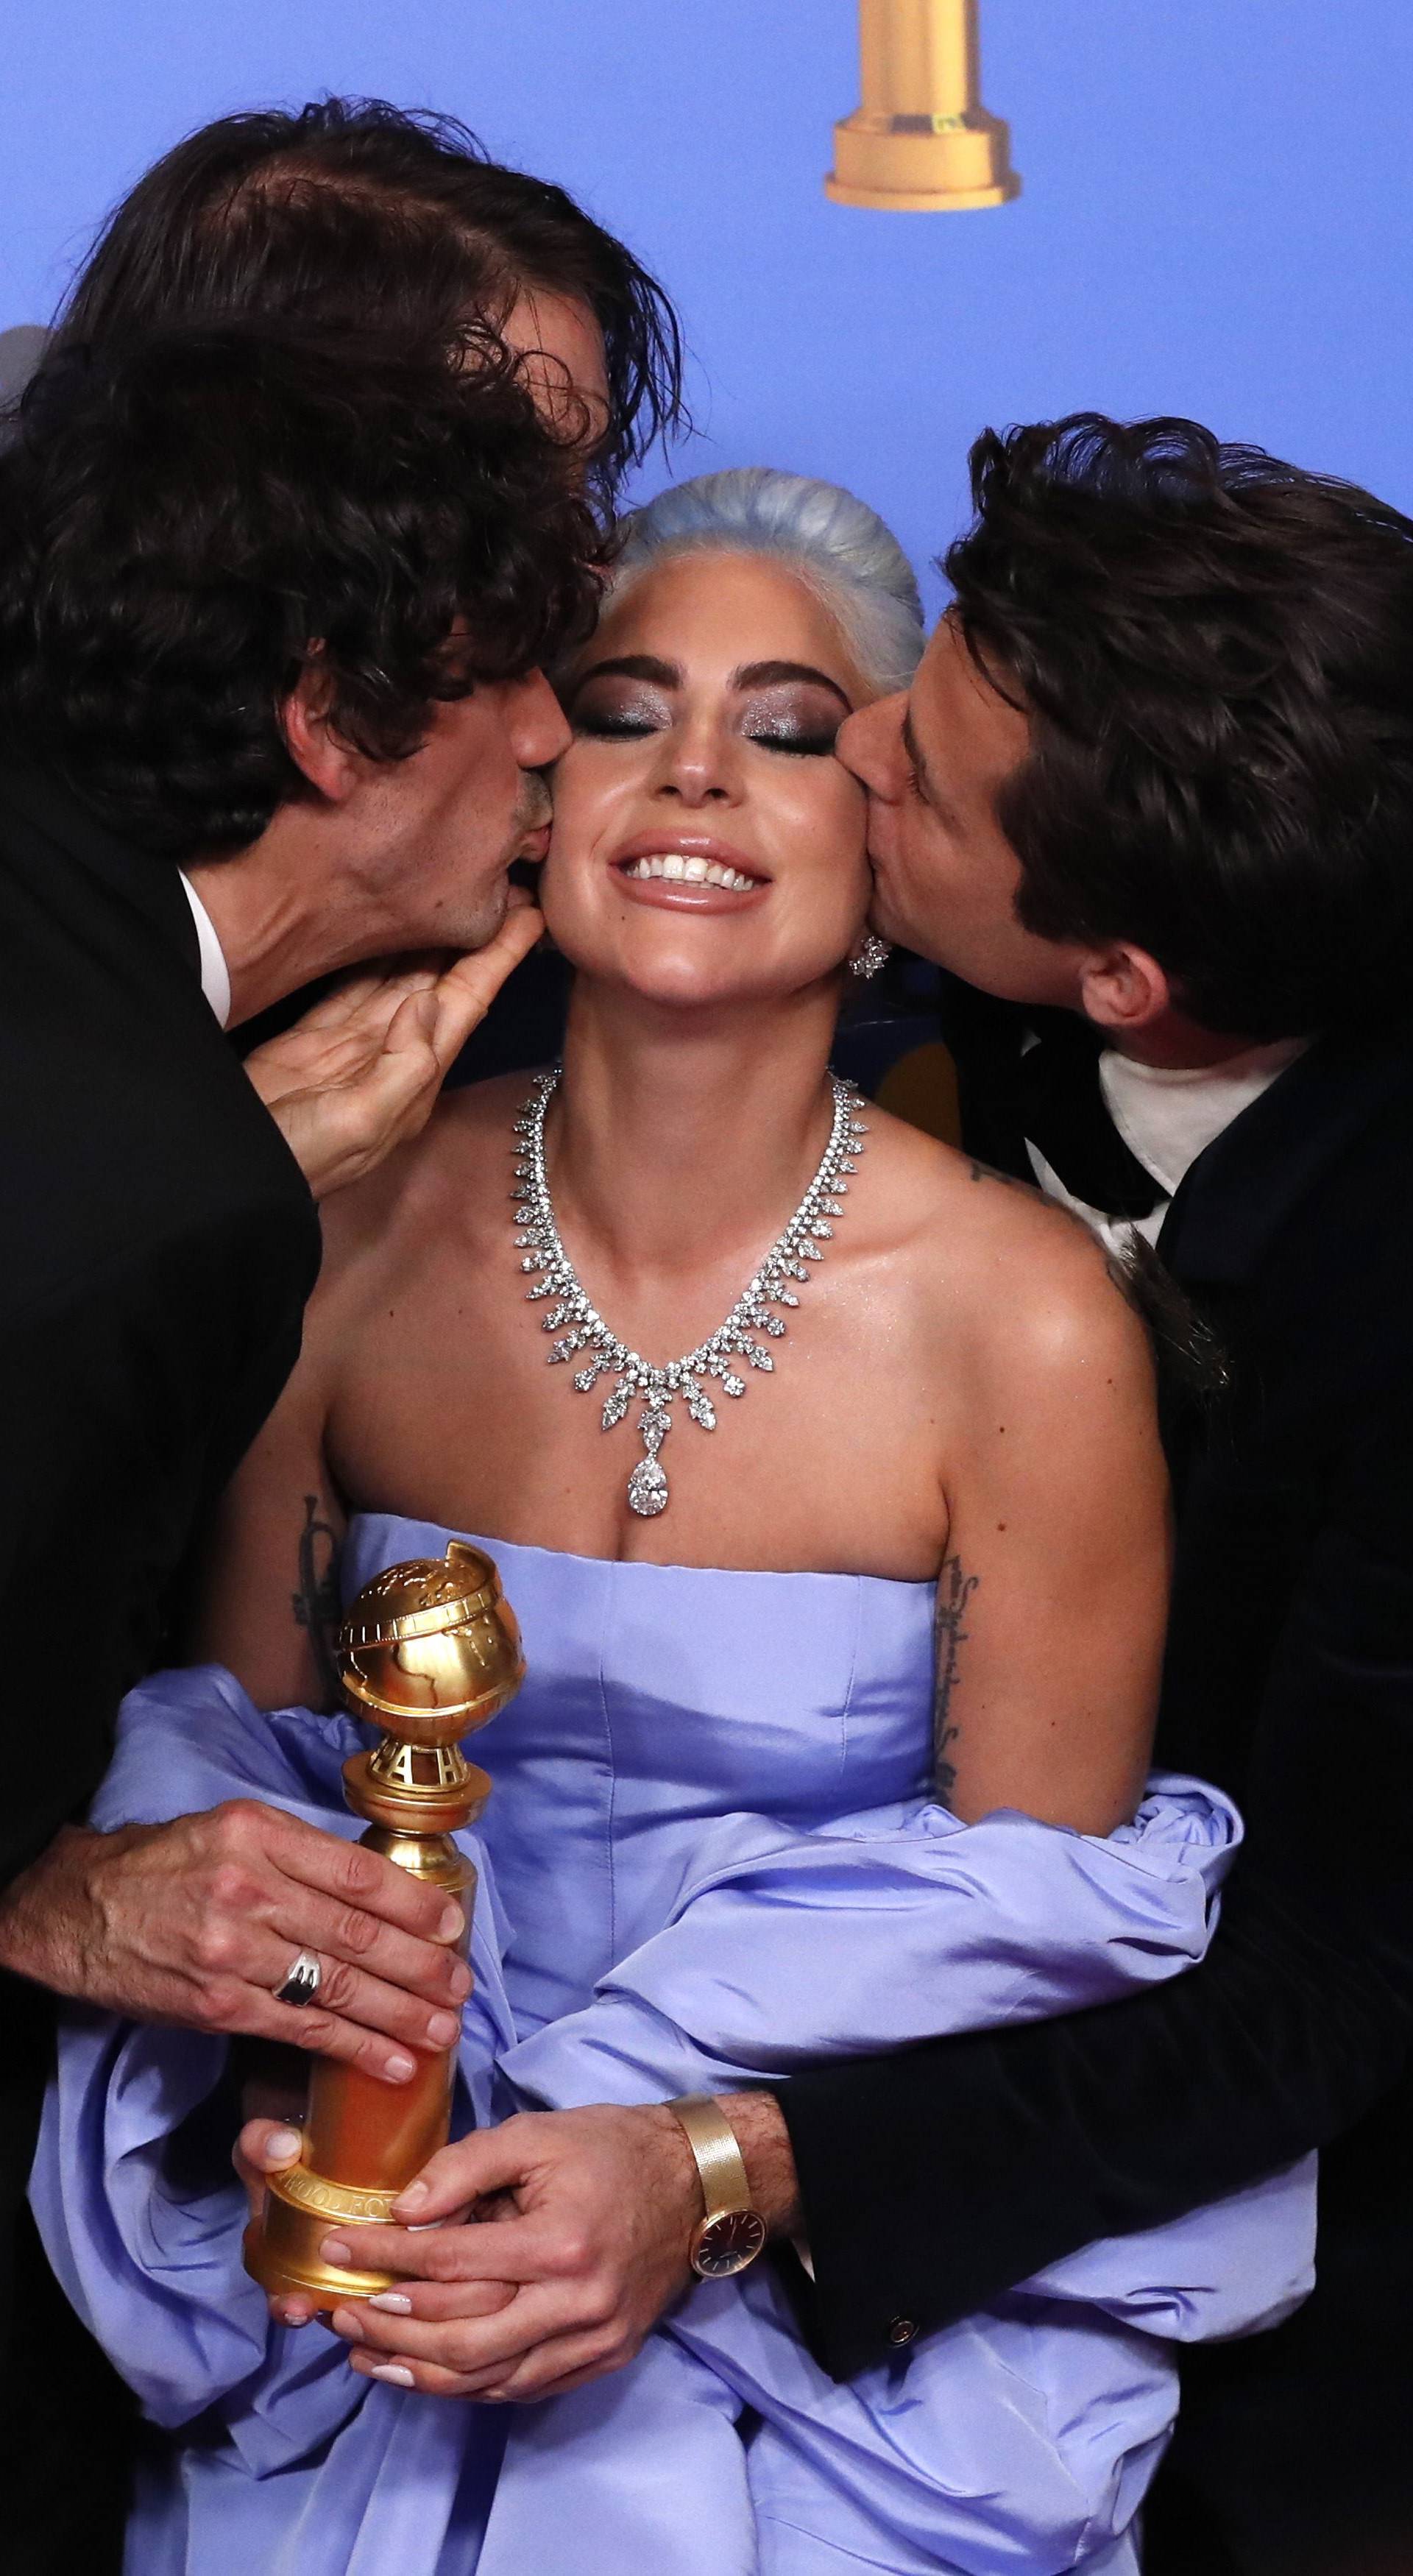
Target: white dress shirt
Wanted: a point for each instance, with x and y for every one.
(215, 974)
(1167, 1116)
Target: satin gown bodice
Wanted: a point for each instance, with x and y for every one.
(656, 1699)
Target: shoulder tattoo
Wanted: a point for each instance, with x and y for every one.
(1009, 1180)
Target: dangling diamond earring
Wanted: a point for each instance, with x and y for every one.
(870, 955)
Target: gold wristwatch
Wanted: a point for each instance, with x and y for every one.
(732, 2233)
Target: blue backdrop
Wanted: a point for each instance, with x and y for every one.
(1216, 212)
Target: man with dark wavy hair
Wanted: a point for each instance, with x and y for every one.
(273, 603)
(360, 213)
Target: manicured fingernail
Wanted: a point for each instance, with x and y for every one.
(443, 2030)
(282, 2146)
(334, 2250)
(413, 2198)
(295, 2315)
(398, 2068)
(394, 2302)
(453, 1923)
(394, 2373)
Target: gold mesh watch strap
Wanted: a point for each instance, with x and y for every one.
(719, 2159)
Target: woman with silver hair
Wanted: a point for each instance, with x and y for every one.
(836, 1526)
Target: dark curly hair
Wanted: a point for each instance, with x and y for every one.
(356, 213)
(186, 525)
(1216, 651)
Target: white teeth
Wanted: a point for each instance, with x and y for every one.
(680, 870)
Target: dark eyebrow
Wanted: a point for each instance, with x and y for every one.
(633, 666)
(770, 675)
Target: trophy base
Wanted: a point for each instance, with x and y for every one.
(301, 2209)
(920, 201)
(919, 165)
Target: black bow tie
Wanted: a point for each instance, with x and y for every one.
(1065, 1116)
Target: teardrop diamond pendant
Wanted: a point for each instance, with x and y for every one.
(648, 1490)
(543, 1255)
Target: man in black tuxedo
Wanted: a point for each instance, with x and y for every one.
(1157, 770)
(1151, 800)
(273, 602)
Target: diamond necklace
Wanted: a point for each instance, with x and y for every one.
(544, 1256)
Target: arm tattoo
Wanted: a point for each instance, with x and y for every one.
(954, 1591)
(316, 1604)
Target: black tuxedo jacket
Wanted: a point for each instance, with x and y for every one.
(939, 2178)
(158, 1246)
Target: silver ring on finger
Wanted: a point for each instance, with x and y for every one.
(302, 1982)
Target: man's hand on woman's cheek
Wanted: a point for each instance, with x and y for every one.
(360, 1073)
(593, 2214)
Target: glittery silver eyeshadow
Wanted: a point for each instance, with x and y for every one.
(775, 728)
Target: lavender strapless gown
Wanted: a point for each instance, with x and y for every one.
(709, 1857)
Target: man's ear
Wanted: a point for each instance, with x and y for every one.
(331, 766)
(1123, 989)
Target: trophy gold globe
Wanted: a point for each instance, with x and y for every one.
(429, 1650)
(921, 141)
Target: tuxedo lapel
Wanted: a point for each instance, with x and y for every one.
(1067, 1119)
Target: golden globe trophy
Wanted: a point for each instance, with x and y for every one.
(921, 140)
(431, 1650)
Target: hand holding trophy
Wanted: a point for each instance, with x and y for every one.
(431, 1649)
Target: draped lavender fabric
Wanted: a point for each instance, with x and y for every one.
(709, 1856)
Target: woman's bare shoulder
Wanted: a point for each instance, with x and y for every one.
(1005, 1272)
(932, 1188)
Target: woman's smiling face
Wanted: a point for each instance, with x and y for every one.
(707, 845)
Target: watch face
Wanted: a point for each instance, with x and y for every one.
(727, 2244)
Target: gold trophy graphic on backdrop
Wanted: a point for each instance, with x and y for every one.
(430, 1650)
(921, 140)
